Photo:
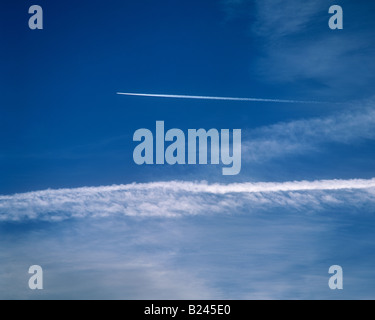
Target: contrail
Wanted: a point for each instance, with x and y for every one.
(180, 198)
(215, 188)
(174, 96)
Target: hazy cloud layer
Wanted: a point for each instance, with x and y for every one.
(246, 250)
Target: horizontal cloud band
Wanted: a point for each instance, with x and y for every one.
(177, 198)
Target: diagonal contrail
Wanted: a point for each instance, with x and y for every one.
(174, 96)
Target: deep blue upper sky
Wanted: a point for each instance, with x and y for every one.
(62, 125)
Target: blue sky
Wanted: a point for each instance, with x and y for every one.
(73, 201)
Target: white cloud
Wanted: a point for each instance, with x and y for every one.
(277, 18)
(175, 199)
(299, 49)
(297, 137)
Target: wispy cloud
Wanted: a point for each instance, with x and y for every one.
(306, 135)
(176, 199)
(280, 18)
(301, 51)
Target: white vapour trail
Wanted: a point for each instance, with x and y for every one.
(176, 198)
(204, 187)
(264, 187)
(173, 96)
